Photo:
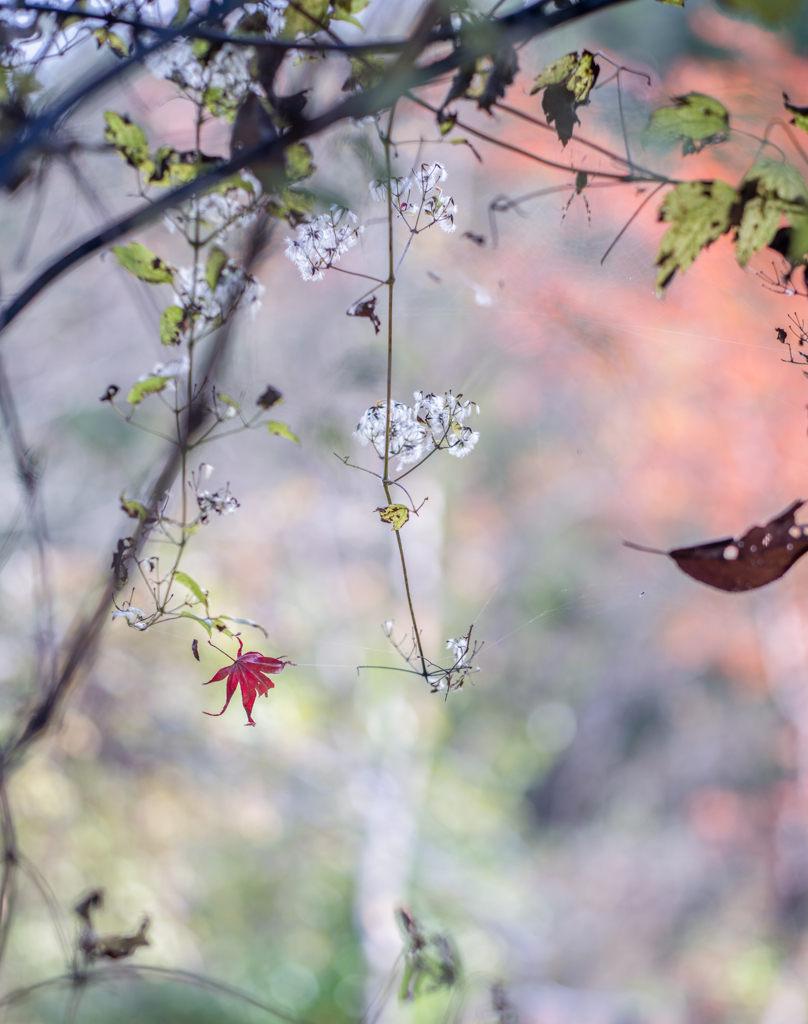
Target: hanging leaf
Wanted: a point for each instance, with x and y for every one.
(246, 622)
(297, 204)
(567, 83)
(113, 41)
(170, 324)
(770, 189)
(222, 397)
(128, 139)
(171, 167)
(149, 386)
(143, 263)
(800, 118)
(298, 20)
(397, 515)
(502, 73)
(344, 10)
(582, 80)
(762, 555)
(556, 73)
(250, 672)
(299, 161)
(182, 12)
(367, 309)
(694, 120)
(365, 73)
(699, 212)
(271, 396)
(221, 101)
(217, 261)
(186, 581)
(281, 430)
(205, 623)
(134, 509)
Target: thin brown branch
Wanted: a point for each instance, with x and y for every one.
(86, 632)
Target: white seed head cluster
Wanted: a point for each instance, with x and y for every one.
(134, 617)
(222, 502)
(433, 422)
(322, 241)
(419, 196)
(459, 646)
(219, 211)
(274, 11)
(407, 435)
(228, 70)
(235, 289)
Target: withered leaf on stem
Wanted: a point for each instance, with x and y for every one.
(762, 555)
(367, 309)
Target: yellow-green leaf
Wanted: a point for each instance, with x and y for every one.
(349, 6)
(201, 49)
(365, 73)
(149, 386)
(297, 20)
(113, 41)
(798, 241)
(800, 118)
(170, 324)
(228, 400)
(694, 120)
(134, 509)
(143, 263)
(221, 102)
(174, 168)
(127, 138)
(182, 12)
(397, 515)
(673, 3)
(555, 73)
(281, 430)
(699, 212)
(217, 260)
(220, 626)
(246, 622)
(299, 161)
(344, 10)
(205, 623)
(189, 583)
(779, 190)
(582, 80)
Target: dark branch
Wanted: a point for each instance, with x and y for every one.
(513, 28)
(474, 42)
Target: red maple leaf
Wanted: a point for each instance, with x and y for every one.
(249, 671)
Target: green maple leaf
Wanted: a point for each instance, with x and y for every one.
(694, 120)
(699, 212)
(557, 72)
(772, 190)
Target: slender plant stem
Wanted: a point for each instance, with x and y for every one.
(390, 291)
(8, 886)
